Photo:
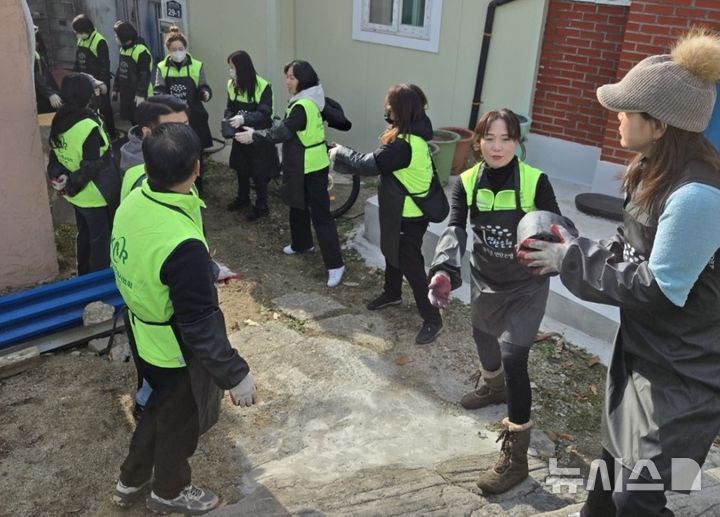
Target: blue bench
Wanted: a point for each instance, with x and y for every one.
(51, 308)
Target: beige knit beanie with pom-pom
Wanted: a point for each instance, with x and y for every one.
(676, 88)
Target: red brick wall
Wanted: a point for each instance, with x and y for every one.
(652, 27)
(580, 51)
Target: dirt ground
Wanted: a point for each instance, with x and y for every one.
(65, 424)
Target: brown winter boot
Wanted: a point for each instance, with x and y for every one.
(489, 389)
(511, 467)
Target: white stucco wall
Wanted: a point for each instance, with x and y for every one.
(358, 73)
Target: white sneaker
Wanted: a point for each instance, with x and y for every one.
(126, 495)
(335, 276)
(288, 250)
(191, 501)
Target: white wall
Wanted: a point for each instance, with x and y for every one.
(358, 74)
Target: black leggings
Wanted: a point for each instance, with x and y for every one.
(514, 359)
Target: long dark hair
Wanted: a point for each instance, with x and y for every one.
(76, 92)
(649, 179)
(304, 73)
(407, 103)
(244, 73)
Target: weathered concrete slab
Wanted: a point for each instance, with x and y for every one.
(305, 306)
(363, 329)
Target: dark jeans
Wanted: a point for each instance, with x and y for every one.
(514, 359)
(92, 245)
(623, 503)
(412, 267)
(166, 435)
(317, 210)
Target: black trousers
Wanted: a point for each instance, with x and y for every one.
(621, 502)
(514, 360)
(92, 244)
(103, 104)
(259, 184)
(412, 267)
(317, 210)
(167, 434)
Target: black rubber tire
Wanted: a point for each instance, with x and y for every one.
(348, 202)
(600, 205)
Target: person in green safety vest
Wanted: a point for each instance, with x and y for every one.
(166, 277)
(508, 301)
(305, 167)
(81, 168)
(183, 76)
(403, 157)
(92, 57)
(134, 73)
(249, 104)
(156, 110)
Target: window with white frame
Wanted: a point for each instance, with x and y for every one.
(403, 23)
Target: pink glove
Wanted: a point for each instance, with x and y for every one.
(439, 290)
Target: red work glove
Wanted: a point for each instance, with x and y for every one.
(439, 290)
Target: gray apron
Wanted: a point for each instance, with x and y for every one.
(663, 386)
(507, 300)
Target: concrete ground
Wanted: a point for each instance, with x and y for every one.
(345, 428)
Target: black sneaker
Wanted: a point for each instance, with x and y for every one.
(257, 213)
(382, 301)
(428, 333)
(237, 204)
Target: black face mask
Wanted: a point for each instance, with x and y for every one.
(388, 118)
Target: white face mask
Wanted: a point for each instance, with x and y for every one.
(231, 72)
(178, 56)
(83, 36)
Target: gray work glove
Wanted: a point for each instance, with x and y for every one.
(245, 393)
(545, 257)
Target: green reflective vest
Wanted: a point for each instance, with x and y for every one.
(148, 226)
(487, 201)
(91, 43)
(416, 177)
(69, 153)
(192, 70)
(134, 53)
(312, 137)
(131, 179)
(234, 95)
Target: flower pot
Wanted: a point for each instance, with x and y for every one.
(462, 148)
(446, 142)
(434, 149)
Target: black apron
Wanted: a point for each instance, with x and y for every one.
(507, 300)
(663, 385)
(184, 88)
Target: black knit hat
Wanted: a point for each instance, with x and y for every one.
(125, 32)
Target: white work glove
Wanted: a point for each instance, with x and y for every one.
(439, 290)
(225, 274)
(205, 95)
(333, 151)
(101, 88)
(545, 257)
(138, 100)
(245, 393)
(236, 121)
(59, 183)
(55, 101)
(246, 136)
